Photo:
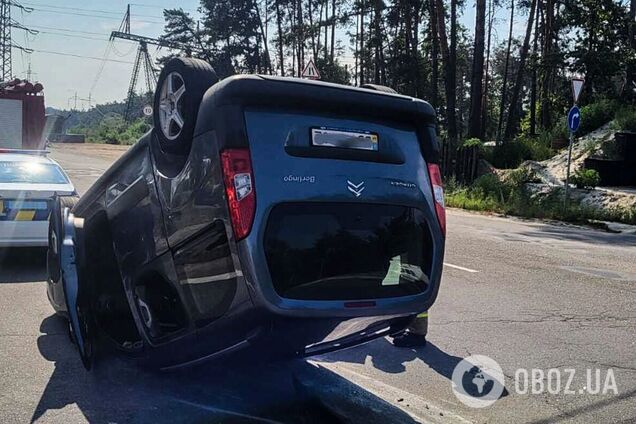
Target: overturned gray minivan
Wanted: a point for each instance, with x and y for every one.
(302, 215)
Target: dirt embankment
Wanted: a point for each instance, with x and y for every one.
(552, 173)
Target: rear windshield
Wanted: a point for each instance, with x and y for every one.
(347, 251)
(31, 172)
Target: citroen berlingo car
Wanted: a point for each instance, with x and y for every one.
(302, 215)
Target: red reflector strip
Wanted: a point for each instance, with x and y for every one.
(366, 304)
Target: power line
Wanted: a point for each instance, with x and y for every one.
(120, 54)
(154, 6)
(83, 37)
(69, 30)
(81, 56)
(109, 46)
(79, 9)
(93, 16)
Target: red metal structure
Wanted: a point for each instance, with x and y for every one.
(33, 114)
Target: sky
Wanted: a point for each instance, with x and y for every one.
(72, 28)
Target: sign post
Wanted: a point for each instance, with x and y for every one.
(574, 121)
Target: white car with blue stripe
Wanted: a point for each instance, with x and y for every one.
(28, 182)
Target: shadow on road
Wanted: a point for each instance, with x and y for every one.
(22, 265)
(583, 235)
(240, 390)
(386, 357)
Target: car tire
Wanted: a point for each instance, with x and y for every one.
(181, 86)
(56, 229)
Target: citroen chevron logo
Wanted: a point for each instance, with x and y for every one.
(356, 189)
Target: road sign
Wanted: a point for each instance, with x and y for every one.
(311, 71)
(577, 87)
(148, 110)
(574, 119)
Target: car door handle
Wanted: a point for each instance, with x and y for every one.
(124, 197)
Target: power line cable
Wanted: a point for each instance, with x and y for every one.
(132, 48)
(83, 37)
(79, 9)
(80, 56)
(101, 68)
(154, 6)
(69, 30)
(93, 16)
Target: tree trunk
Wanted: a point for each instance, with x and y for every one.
(291, 10)
(326, 30)
(450, 74)
(415, 49)
(476, 83)
(632, 23)
(362, 61)
(434, 55)
(319, 31)
(533, 87)
(356, 54)
(268, 60)
(377, 40)
(452, 71)
(301, 37)
(279, 23)
(504, 87)
(511, 123)
(546, 59)
(484, 107)
(407, 31)
(311, 29)
(333, 30)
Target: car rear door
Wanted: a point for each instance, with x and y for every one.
(345, 207)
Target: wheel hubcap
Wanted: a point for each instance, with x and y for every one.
(170, 106)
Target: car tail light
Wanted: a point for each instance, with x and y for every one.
(239, 189)
(438, 194)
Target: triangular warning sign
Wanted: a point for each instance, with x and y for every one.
(311, 71)
(577, 87)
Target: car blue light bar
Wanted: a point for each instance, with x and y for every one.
(26, 152)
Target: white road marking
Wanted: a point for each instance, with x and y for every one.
(461, 268)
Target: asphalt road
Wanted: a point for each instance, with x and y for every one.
(529, 295)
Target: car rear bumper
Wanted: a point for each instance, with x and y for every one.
(274, 335)
(24, 233)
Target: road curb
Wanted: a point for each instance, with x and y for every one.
(417, 407)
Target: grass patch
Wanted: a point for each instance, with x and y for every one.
(511, 154)
(510, 196)
(114, 130)
(595, 115)
(625, 119)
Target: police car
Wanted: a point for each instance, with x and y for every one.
(28, 182)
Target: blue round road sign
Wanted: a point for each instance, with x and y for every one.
(574, 119)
